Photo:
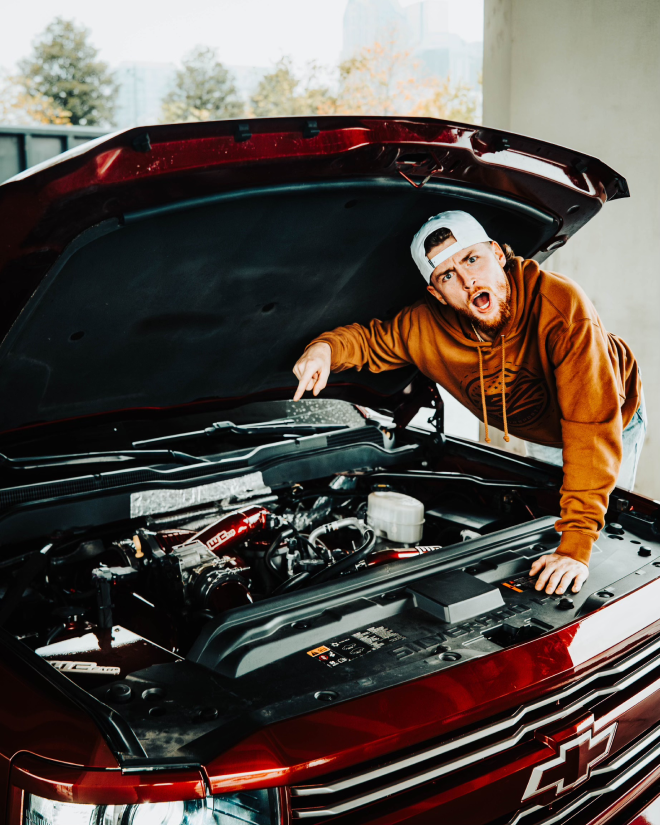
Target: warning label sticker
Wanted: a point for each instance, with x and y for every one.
(352, 647)
(318, 650)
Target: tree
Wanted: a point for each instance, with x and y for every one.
(17, 108)
(203, 90)
(64, 68)
(281, 94)
(385, 79)
(450, 101)
(382, 79)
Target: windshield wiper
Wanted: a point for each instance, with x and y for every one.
(36, 462)
(278, 426)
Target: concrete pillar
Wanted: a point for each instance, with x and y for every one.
(586, 75)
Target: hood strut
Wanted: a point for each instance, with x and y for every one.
(421, 392)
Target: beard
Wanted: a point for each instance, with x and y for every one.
(493, 326)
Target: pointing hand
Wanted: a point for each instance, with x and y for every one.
(312, 369)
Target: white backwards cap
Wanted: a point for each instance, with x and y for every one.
(466, 229)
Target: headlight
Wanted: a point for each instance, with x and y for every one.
(248, 807)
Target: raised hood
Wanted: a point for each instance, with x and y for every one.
(163, 266)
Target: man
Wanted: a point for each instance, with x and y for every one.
(521, 348)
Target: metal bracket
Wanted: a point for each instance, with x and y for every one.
(412, 182)
(425, 165)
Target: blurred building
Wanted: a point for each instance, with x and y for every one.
(25, 146)
(426, 18)
(423, 27)
(142, 87)
(367, 21)
(442, 53)
(451, 56)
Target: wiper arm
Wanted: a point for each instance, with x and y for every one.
(36, 462)
(286, 426)
(277, 427)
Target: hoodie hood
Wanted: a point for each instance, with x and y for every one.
(162, 267)
(523, 280)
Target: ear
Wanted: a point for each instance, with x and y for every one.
(498, 253)
(436, 294)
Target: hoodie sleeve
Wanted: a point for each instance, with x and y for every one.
(591, 433)
(380, 346)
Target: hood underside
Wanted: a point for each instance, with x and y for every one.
(197, 264)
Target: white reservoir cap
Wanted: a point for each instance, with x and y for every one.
(395, 516)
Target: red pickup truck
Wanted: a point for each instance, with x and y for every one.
(218, 607)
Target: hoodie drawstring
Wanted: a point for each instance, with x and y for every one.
(506, 429)
(483, 393)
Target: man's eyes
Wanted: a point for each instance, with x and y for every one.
(446, 276)
(472, 259)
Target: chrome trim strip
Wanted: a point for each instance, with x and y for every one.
(482, 753)
(620, 760)
(489, 730)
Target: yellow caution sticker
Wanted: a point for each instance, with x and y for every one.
(318, 650)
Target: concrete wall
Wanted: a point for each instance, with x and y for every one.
(586, 74)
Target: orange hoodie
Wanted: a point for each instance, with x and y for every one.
(554, 377)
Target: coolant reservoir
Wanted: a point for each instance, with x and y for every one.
(395, 516)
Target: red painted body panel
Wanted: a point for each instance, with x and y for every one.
(371, 727)
(356, 731)
(34, 717)
(53, 780)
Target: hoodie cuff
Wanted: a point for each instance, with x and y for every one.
(576, 545)
(330, 340)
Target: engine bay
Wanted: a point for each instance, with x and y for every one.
(370, 567)
(174, 572)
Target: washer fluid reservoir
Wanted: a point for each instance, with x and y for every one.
(395, 516)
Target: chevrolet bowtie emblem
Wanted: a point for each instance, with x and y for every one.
(573, 763)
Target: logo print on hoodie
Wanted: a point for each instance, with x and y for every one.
(527, 398)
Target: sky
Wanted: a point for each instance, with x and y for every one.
(245, 32)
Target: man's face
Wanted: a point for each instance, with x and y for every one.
(473, 283)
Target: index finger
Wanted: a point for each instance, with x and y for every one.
(305, 378)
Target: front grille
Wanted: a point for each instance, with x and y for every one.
(347, 794)
(640, 760)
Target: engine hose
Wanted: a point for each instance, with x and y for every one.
(312, 549)
(333, 526)
(291, 583)
(274, 547)
(54, 633)
(348, 561)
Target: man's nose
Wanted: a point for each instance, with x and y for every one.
(468, 283)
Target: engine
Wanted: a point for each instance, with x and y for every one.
(167, 575)
(255, 551)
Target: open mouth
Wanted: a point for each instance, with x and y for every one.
(481, 301)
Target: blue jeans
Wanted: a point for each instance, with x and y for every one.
(633, 441)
